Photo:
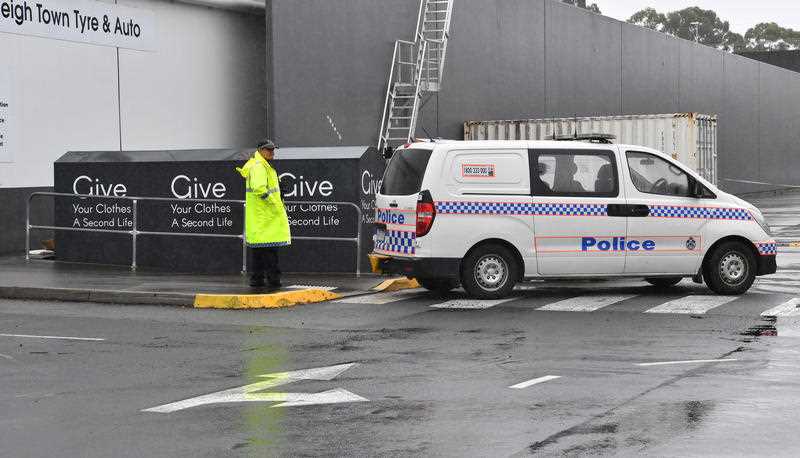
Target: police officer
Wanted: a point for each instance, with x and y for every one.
(266, 223)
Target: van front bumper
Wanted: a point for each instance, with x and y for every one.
(767, 265)
(416, 268)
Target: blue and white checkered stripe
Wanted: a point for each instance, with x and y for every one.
(767, 249)
(564, 209)
(669, 211)
(397, 242)
(570, 210)
(524, 209)
(483, 208)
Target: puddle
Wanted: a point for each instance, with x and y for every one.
(628, 428)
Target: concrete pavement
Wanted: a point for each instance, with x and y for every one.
(436, 378)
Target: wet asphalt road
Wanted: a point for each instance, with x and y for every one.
(436, 380)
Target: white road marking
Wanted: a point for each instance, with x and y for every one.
(692, 305)
(790, 308)
(380, 298)
(778, 289)
(471, 304)
(88, 339)
(8, 357)
(585, 303)
(323, 288)
(250, 393)
(697, 361)
(535, 381)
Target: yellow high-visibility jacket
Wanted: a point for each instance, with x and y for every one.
(266, 223)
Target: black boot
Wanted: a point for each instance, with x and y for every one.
(257, 281)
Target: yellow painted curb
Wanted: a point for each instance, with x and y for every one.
(263, 301)
(397, 284)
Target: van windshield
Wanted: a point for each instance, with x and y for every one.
(405, 171)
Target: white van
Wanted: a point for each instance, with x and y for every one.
(488, 214)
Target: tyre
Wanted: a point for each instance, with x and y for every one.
(438, 285)
(667, 282)
(490, 272)
(731, 269)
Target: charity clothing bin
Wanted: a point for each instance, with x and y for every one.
(201, 192)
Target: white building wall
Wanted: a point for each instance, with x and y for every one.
(203, 87)
(63, 96)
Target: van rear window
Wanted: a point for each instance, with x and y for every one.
(405, 171)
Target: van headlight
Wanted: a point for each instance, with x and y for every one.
(761, 221)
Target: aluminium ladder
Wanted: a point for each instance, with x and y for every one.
(416, 72)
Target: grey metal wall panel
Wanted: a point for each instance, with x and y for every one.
(584, 62)
(650, 71)
(738, 140)
(512, 59)
(332, 58)
(495, 70)
(699, 78)
(778, 124)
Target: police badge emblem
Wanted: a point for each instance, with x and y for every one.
(691, 244)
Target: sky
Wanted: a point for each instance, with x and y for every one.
(742, 14)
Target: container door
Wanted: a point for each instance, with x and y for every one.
(668, 225)
(396, 204)
(575, 194)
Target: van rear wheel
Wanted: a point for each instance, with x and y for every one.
(438, 285)
(731, 269)
(490, 272)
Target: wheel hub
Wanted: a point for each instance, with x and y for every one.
(733, 268)
(491, 272)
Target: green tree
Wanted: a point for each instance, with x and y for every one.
(695, 24)
(649, 18)
(769, 36)
(582, 4)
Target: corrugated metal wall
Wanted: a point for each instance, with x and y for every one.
(515, 59)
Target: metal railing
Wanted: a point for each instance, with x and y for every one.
(135, 232)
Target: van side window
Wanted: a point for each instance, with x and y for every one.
(574, 174)
(652, 175)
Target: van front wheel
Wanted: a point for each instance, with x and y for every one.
(731, 269)
(489, 272)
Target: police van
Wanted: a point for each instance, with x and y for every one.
(488, 214)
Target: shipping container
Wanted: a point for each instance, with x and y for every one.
(690, 138)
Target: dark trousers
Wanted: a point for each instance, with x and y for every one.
(264, 262)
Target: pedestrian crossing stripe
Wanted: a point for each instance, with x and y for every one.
(692, 305)
(687, 305)
(471, 304)
(585, 303)
(381, 298)
(790, 308)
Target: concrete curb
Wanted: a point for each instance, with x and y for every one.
(97, 296)
(279, 299)
(396, 284)
(263, 301)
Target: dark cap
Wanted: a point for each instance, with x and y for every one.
(266, 144)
